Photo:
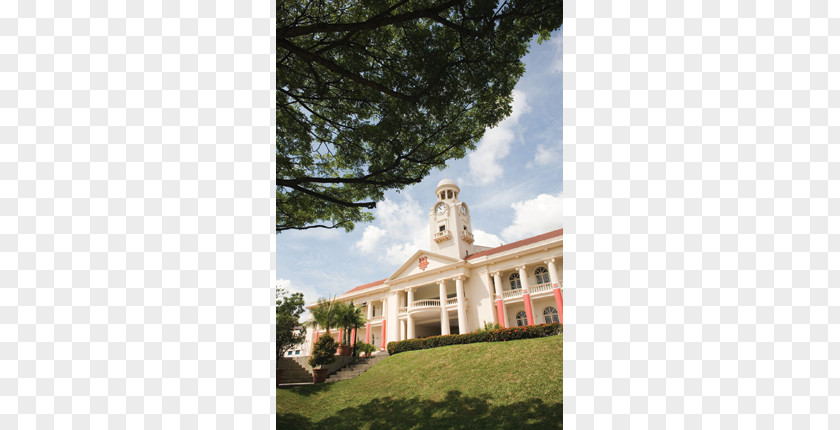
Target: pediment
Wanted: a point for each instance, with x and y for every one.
(421, 262)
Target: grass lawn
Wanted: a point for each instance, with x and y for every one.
(505, 385)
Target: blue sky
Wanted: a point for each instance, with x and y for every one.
(512, 183)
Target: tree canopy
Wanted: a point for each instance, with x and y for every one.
(289, 329)
(373, 95)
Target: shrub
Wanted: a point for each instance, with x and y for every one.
(365, 348)
(489, 326)
(497, 335)
(323, 352)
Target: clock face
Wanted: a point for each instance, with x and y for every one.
(463, 209)
(440, 208)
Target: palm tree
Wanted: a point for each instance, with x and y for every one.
(325, 314)
(350, 317)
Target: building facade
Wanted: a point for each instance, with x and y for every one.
(457, 286)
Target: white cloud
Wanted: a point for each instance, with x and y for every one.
(557, 64)
(309, 294)
(538, 215)
(548, 155)
(486, 239)
(400, 230)
(370, 239)
(495, 145)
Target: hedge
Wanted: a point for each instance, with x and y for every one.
(498, 335)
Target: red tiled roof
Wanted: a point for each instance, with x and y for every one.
(492, 251)
(365, 286)
(517, 244)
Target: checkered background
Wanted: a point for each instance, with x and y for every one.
(136, 214)
(702, 202)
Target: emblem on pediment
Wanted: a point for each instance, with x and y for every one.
(424, 263)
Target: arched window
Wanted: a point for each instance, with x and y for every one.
(521, 318)
(515, 283)
(550, 314)
(542, 275)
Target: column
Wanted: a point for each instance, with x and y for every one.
(353, 338)
(382, 346)
(409, 318)
(393, 315)
(488, 280)
(367, 326)
(557, 284)
(402, 330)
(444, 315)
(523, 277)
(500, 304)
(462, 308)
(340, 336)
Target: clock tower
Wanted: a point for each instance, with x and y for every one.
(449, 223)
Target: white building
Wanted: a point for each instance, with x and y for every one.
(458, 286)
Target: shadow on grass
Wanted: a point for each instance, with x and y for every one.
(308, 390)
(454, 412)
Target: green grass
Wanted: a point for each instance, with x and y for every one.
(515, 384)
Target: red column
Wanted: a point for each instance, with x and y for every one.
(528, 313)
(353, 337)
(367, 333)
(315, 339)
(340, 335)
(500, 311)
(383, 334)
(558, 300)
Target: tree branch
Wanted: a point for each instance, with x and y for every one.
(366, 205)
(329, 65)
(370, 24)
(284, 227)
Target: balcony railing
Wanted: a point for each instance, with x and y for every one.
(425, 304)
(467, 236)
(376, 319)
(452, 301)
(440, 236)
(403, 310)
(541, 288)
(509, 294)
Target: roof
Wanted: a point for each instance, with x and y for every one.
(517, 244)
(491, 251)
(366, 286)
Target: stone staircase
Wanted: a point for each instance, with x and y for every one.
(353, 370)
(293, 371)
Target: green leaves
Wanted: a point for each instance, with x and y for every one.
(373, 95)
(288, 311)
(323, 352)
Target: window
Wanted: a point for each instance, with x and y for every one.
(521, 318)
(550, 314)
(297, 352)
(515, 283)
(442, 228)
(542, 275)
(442, 195)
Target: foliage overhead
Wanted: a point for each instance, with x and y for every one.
(372, 95)
(289, 330)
